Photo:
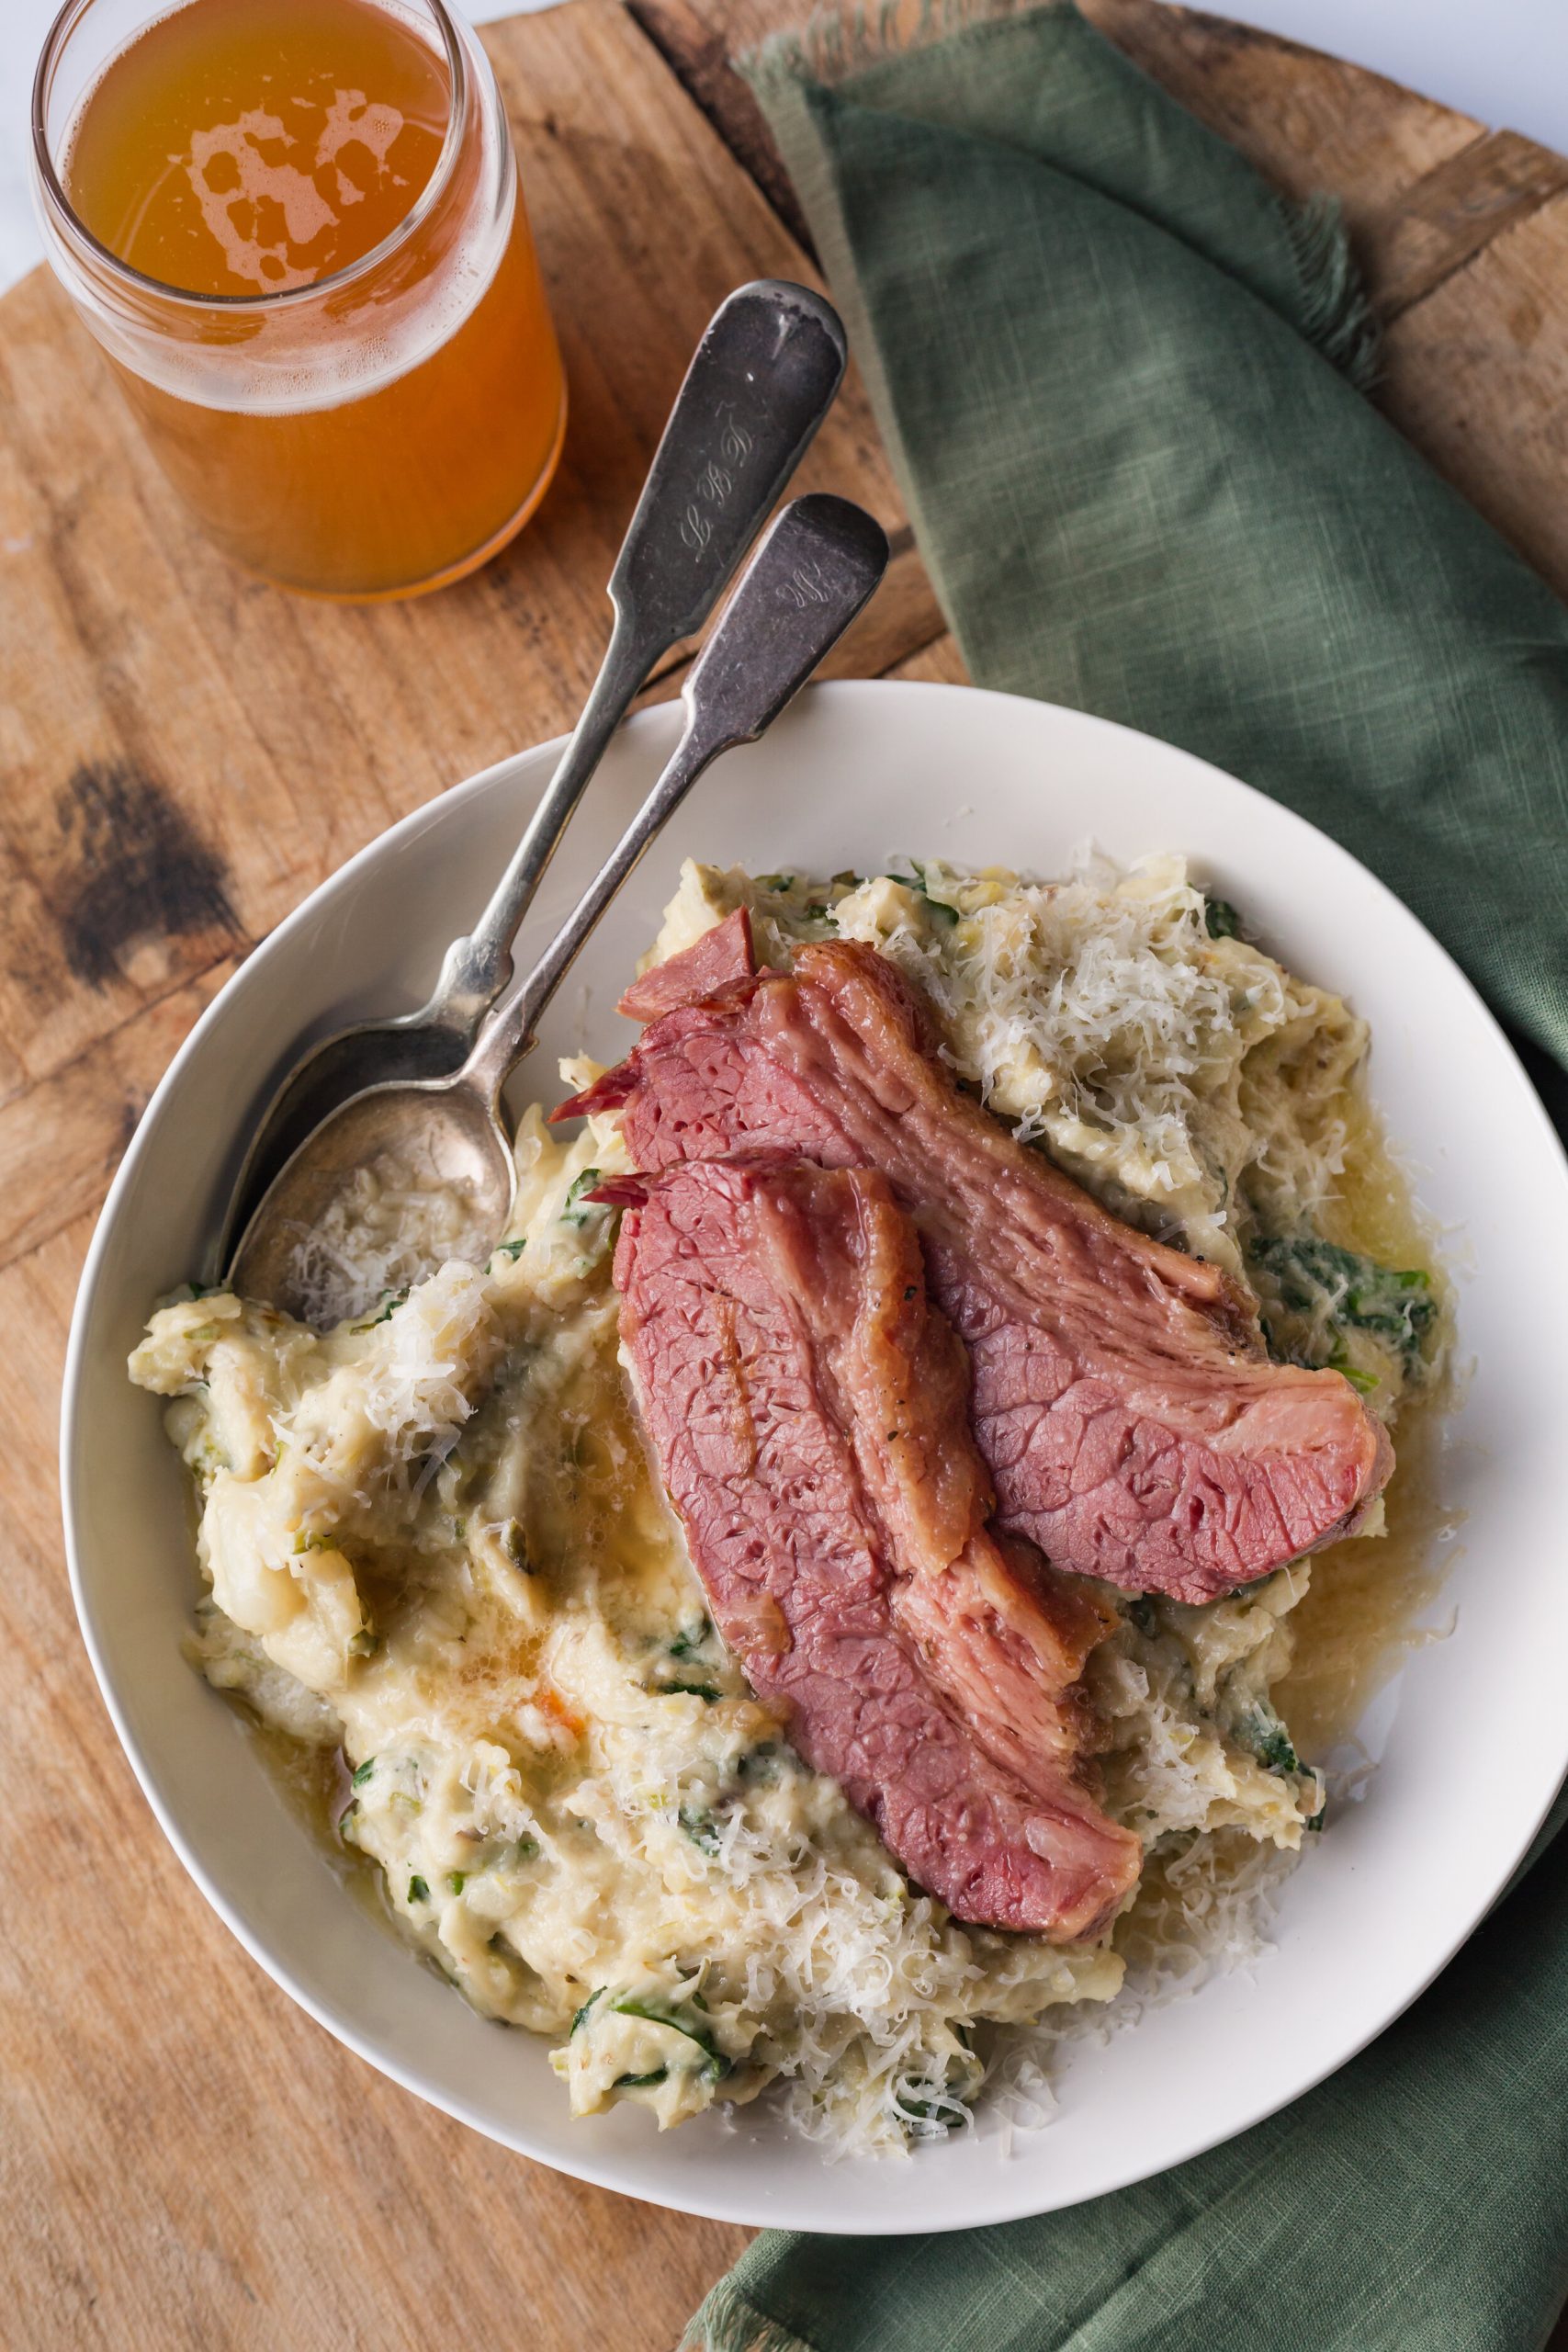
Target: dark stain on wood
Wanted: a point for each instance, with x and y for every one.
(131, 1112)
(134, 868)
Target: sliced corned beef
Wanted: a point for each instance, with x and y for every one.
(1132, 1425)
(806, 1406)
(718, 956)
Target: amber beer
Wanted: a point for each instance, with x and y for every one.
(296, 226)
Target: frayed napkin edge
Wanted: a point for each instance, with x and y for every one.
(727, 2323)
(845, 37)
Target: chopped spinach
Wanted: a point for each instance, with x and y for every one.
(690, 1637)
(572, 1213)
(775, 881)
(1356, 1294)
(582, 2012)
(362, 1772)
(1220, 919)
(640, 2082)
(390, 1302)
(527, 1849)
(708, 1690)
(716, 2065)
(1266, 1736)
(1363, 1383)
(457, 1880)
(513, 1249)
(700, 1827)
(1276, 1754)
(916, 880)
(418, 1891)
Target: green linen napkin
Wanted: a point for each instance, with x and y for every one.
(1124, 386)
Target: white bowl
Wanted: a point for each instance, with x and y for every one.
(1473, 1735)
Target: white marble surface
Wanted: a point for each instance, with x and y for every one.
(1506, 60)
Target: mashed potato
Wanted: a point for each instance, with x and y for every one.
(429, 1537)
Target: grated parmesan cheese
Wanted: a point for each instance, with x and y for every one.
(1171, 1071)
(429, 1533)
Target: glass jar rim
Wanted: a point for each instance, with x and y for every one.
(68, 222)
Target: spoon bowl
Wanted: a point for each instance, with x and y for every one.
(435, 1142)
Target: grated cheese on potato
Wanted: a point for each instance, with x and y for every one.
(430, 1535)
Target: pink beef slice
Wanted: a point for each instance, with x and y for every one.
(720, 954)
(1122, 1399)
(806, 1405)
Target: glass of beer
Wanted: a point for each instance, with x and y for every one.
(296, 228)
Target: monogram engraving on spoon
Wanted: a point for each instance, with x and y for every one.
(713, 484)
(736, 443)
(806, 586)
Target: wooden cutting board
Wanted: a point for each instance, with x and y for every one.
(186, 2159)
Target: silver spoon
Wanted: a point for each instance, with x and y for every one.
(814, 571)
(759, 383)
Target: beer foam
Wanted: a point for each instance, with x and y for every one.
(242, 194)
(264, 207)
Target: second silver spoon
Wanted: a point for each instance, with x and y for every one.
(812, 574)
(760, 384)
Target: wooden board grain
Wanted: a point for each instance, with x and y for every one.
(1310, 121)
(1476, 372)
(184, 2158)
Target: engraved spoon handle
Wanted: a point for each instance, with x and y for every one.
(759, 383)
(814, 571)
